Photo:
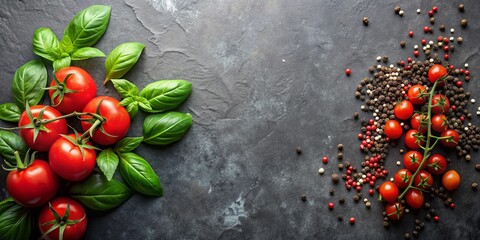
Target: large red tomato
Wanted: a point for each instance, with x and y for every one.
(116, 120)
(74, 221)
(46, 135)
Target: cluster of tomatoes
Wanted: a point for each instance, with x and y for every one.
(72, 157)
(428, 127)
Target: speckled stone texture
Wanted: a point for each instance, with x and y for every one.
(267, 76)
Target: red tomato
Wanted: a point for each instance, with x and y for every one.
(78, 89)
(419, 123)
(117, 120)
(436, 164)
(414, 139)
(423, 180)
(394, 210)
(440, 104)
(403, 110)
(75, 223)
(439, 123)
(412, 160)
(452, 140)
(67, 161)
(34, 185)
(393, 129)
(402, 178)
(451, 180)
(414, 198)
(389, 191)
(45, 138)
(417, 94)
(436, 72)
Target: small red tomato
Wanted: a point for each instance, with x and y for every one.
(423, 180)
(402, 178)
(440, 104)
(417, 94)
(451, 180)
(389, 191)
(436, 164)
(439, 123)
(414, 139)
(403, 110)
(412, 160)
(419, 123)
(393, 129)
(69, 215)
(452, 138)
(414, 198)
(348, 71)
(394, 210)
(436, 72)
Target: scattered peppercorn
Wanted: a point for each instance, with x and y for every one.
(348, 71)
(351, 220)
(365, 21)
(397, 9)
(442, 28)
(299, 150)
(331, 205)
(474, 186)
(432, 20)
(403, 44)
(461, 7)
(464, 23)
(340, 218)
(340, 156)
(332, 192)
(335, 178)
(325, 159)
(477, 166)
(304, 197)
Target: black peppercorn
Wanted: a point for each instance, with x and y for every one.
(304, 197)
(442, 28)
(299, 150)
(474, 186)
(365, 21)
(398, 8)
(461, 7)
(403, 43)
(464, 23)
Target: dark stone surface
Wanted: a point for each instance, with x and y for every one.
(268, 76)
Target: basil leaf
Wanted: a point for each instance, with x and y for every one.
(66, 45)
(166, 94)
(127, 101)
(10, 112)
(99, 194)
(88, 26)
(107, 161)
(9, 143)
(165, 128)
(86, 53)
(132, 109)
(44, 40)
(139, 174)
(55, 53)
(128, 144)
(121, 59)
(16, 222)
(28, 83)
(61, 63)
(144, 104)
(125, 88)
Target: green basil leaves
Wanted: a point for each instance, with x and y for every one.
(128, 144)
(166, 94)
(165, 128)
(16, 222)
(121, 59)
(44, 42)
(10, 112)
(28, 83)
(107, 161)
(9, 144)
(139, 174)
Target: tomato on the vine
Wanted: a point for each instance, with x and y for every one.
(116, 120)
(41, 136)
(436, 72)
(72, 89)
(71, 158)
(414, 198)
(417, 94)
(66, 216)
(414, 139)
(402, 178)
(389, 191)
(393, 129)
(436, 164)
(440, 104)
(451, 180)
(412, 160)
(419, 123)
(439, 123)
(452, 138)
(403, 110)
(394, 210)
(423, 180)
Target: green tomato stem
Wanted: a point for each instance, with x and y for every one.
(20, 164)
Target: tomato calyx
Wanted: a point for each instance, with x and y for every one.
(60, 89)
(97, 122)
(398, 213)
(20, 165)
(81, 142)
(60, 222)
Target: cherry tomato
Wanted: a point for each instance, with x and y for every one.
(393, 129)
(419, 123)
(451, 180)
(412, 160)
(423, 180)
(389, 191)
(74, 221)
(394, 210)
(436, 72)
(417, 94)
(439, 123)
(45, 138)
(440, 104)
(66, 159)
(117, 120)
(75, 92)
(436, 164)
(452, 140)
(414, 198)
(402, 178)
(33, 186)
(413, 139)
(403, 110)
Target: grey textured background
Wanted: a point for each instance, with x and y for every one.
(268, 76)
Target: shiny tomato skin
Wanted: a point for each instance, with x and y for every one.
(418, 122)
(414, 198)
(402, 178)
(81, 83)
(439, 123)
(451, 180)
(411, 139)
(117, 120)
(423, 180)
(417, 94)
(412, 160)
(403, 110)
(67, 161)
(77, 213)
(394, 210)
(33, 186)
(389, 191)
(44, 139)
(440, 104)
(436, 164)
(393, 129)
(436, 72)
(454, 138)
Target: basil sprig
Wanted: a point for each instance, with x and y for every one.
(121, 59)
(16, 222)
